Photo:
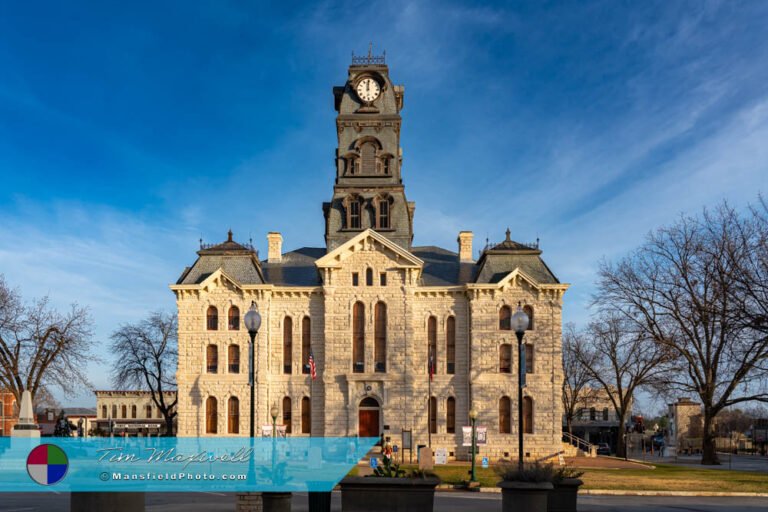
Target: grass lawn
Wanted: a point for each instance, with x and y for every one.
(665, 477)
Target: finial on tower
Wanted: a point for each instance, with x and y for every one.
(229, 235)
(508, 239)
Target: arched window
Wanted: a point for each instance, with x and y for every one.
(505, 416)
(233, 355)
(287, 414)
(148, 412)
(592, 414)
(382, 220)
(114, 411)
(133, 411)
(234, 318)
(353, 165)
(306, 337)
(505, 318)
(306, 416)
(505, 358)
(380, 338)
(211, 415)
(368, 156)
(528, 310)
(432, 345)
(528, 415)
(387, 165)
(450, 415)
(432, 415)
(605, 414)
(287, 345)
(529, 358)
(212, 359)
(358, 337)
(212, 318)
(103, 411)
(450, 345)
(123, 411)
(233, 415)
(369, 277)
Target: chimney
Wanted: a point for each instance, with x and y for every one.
(274, 247)
(465, 246)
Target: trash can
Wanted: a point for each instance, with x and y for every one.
(319, 501)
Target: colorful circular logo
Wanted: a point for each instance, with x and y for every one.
(47, 464)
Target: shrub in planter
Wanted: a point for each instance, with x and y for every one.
(525, 489)
(564, 496)
(389, 488)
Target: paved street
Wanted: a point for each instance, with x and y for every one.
(444, 501)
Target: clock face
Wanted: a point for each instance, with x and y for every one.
(368, 89)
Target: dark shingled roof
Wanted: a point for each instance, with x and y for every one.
(442, 267)
(297, 268)
(238, 261)
(501, 259)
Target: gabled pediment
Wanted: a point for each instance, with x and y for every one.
(513, 280)
(369, 240)
(219, 279)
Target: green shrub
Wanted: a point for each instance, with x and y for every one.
(564, 472)
(534, 472)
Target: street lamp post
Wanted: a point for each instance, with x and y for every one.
(520, 324)
(473, 420)
(252, 322)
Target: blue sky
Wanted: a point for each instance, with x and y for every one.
(128, 132)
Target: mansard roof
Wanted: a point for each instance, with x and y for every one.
(238, 261)
(296, 268)
(499, 260)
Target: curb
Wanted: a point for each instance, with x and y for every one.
(614, 492)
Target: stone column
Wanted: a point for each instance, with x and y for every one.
(249, 502)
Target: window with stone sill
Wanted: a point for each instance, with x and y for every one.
(355, 279)
(528, 310)
(148, 412)
(505, 415)
(287, 414)
(233, 355)
(212, 359)
(233, 318)
(233, 415)
(212, 318)
(383, 279)
(450, 345)
(505, 358)
(505, 318)
(287, 345)
(527, 415)
(133, 412)
(358, 338)
(211, 415)
(450, 415)
(369, 277)
(124, 411)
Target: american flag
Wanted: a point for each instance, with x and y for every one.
(312, 367)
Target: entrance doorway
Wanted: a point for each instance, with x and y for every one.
(368, 418)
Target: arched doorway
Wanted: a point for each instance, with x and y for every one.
(368, 418)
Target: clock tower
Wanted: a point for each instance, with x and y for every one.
(368, 191)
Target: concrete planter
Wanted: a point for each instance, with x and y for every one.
(524, 496)
(564, 496)
(375, 494)
(106, 501)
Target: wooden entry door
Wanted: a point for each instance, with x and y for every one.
(369, 423)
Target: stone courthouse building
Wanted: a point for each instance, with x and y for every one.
(373, 309)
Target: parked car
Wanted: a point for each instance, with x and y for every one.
(603, 449)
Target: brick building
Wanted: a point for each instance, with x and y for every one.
(9, 412)
(372, 308)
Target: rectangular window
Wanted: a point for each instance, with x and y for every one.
(354, 215)
(355, 279)
(384, 214)
(505, 358)
(383, 279)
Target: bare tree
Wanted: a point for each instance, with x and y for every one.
(146, 354)
(688, 288)
(577, 377)
(622, 360)
(41, 348)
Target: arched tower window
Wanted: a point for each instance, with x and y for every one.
(287, 414)
(528, 310)
(383, 204)
(114, 411)
(505, 318)
(212, 359)
(306, 416)
(103, 411)
(123, 411)
(212, 318)
(233, 415)
(358, 337)
(353, 205)
(233, 318)
(432, 345)
(450, 415)
(505, 416)
(368, 156)
(528, 415)
(211, 415)
(148, 412)
(233, 355)
(287, 345)
(450, 345)
(306, 337)
(380, 338)
(133, 412)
